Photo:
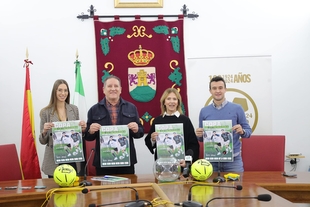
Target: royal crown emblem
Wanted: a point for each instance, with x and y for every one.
(141, 57)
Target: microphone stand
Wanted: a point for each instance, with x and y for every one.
(85, 182)
(190, 203)
(261, 197)
(188, 161)
(137, 203)
(219, 178)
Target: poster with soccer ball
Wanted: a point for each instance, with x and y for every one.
(217, 138)
(67, 142)
(170, 141)
(114, 146)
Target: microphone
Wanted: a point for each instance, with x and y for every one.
(188, 161)
(261, 197)
(191, 203)
(219, 178)
(85, 182)
(237, 187)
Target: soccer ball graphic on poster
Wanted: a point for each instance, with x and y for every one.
(201, 169)
(65, 175)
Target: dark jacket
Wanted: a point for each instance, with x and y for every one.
(100, 114)
(190, 139)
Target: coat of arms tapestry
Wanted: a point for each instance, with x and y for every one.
(148, 57)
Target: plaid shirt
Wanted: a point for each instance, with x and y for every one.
(113, 110)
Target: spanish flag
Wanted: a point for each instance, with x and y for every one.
(28, 153)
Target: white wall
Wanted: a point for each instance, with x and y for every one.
(52, 34)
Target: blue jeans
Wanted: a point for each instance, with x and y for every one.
(235, 166)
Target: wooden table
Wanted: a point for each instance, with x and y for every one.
(254, 183)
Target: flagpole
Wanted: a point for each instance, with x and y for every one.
(184, 10)
(80, 101)
(28, 154)
(79, 96)
(76, 62)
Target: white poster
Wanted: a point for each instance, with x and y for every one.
(248, 83)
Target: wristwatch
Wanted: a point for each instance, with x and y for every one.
(243, 132)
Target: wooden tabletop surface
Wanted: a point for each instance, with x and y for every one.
(254, 183)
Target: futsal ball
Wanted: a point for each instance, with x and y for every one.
(201, 170)
(65, 175)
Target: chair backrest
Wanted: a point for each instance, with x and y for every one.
(91, 170)
(9, 163)
(263, 153)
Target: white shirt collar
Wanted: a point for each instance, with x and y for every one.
(177, 114)
(222, 104)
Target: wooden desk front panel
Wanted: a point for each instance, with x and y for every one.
(203, 194)
(176, 193)
(101, 197)
(293, 189)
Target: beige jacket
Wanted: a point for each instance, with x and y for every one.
(49, 165)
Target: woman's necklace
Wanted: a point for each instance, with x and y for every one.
(62, 115)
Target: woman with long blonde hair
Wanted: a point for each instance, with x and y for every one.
(171, 113)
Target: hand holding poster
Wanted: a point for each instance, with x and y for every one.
(114, 146)
(67, 142)
(170, 141)
(218, 144)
